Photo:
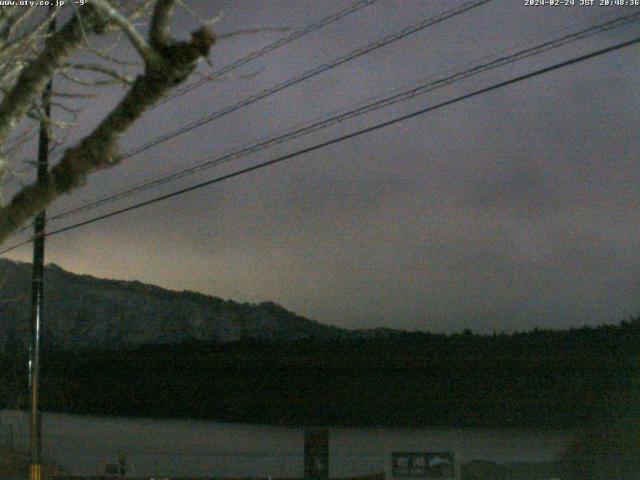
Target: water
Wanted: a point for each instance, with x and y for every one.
(83, 445)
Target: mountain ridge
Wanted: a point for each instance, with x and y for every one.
(84, 311)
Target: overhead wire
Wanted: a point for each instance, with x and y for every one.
(358, 52)
(281, 42)
(428, 22)
(379, 103)
(342, 138)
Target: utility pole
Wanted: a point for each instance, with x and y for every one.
(35, 430)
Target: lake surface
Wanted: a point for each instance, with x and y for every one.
(83, 445)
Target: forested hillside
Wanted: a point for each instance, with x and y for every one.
(539, 379)
(84, 312)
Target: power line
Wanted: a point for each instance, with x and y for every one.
(281, 42)
(421, 89)
(342, 138)
(304, 76)
(309, 74)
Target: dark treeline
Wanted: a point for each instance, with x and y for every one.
(538, 379)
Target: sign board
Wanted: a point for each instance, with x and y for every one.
(316, 454)
(423, 465)
(117, 470)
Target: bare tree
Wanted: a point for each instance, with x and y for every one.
(29, 57)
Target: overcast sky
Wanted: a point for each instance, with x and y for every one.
(516, 209)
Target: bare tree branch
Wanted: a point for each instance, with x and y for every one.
(139, 9)
(10, 45)
(112, 73)
(34, 77)
(63, 94)
(137, 40)
(159, 31)
(169, 64)
(13, 21)
(115, 78)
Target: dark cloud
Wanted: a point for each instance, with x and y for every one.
(516, 209)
